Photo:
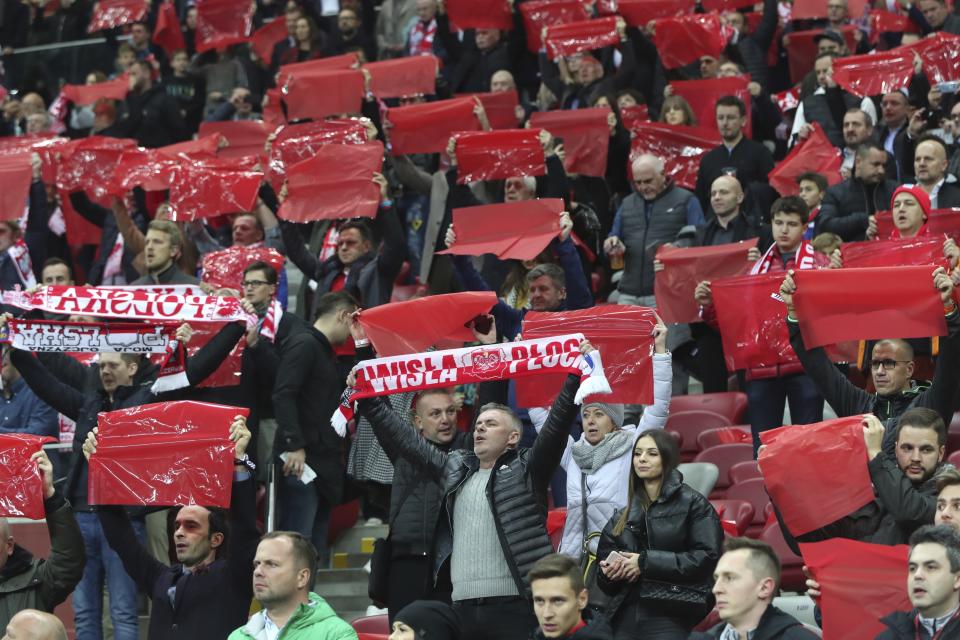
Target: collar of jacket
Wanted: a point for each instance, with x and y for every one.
(916, 386)
(668, 186)
(17, 572)
(670, 486)
(472, 462)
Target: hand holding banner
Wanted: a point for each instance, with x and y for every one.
(688, 38)
(221, 23)
(337, 182)
(683, 269)
(498, 155)
(680, 146)
(816, 154)
(586, 138)
(574, 37)
(539, 14)
(510, 230)
(414, 75)
(21, 482)
(427, 127)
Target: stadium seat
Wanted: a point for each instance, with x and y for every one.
(690, 424)
(791, 576)
(725, 456)
(556, 519)
(953, 434)
(740, 512)
(732, 404)
(752, 491)
(723, 435)
(744, 471)
(701, 476)
(372, 624)
(954, 459)
(712, 619)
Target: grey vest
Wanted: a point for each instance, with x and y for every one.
(816, 109)
(644, 227)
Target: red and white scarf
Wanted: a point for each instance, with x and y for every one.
(805, 258)
(272, 320)
(434, 369)
(421, 38)
(20, 257)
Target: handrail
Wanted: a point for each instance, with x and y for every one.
(54, 46)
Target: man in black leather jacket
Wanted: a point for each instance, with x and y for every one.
(848, 206)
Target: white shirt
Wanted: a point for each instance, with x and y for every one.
(935, 192)
(270, 630)
(866, 105)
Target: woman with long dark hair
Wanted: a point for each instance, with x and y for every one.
(657, 556)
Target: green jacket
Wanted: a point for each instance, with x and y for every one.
(316, 621)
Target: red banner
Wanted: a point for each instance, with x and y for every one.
(688, 38)
(337, 182)
(412, 326)
(574, 37)
(630, 117)
(16, 174)
(221, 23)
(752, 321)
(809, 9)
(80, 231)
(802, 50)
(685, 268)
(926, 250)
(108, 14)
(84, 94)
(427, 127)
(703, 95)
(297, 142)
(638, 13)
(726, 5)
(208, 188)
(313, 67)
(586, 138)
(167, 33)
(21, 482)
(939, 222)
(805, 487)
(939, 54)
(874, 73)
(164, 454)
(498, 155)
(539, 14)
(244, 137)
(681, 148)
(510, 230)
(622, 333)
(500, 107)
(867, 304)
(47, 146)
(318, 94)
(228, 373)
(816, 154)
(889, 22)
(264, 39)
(414, 75)
(224, 268)
(88, 164)
(480, 14)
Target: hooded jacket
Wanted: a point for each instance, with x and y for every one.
(847, 206)
(314, 621)
(774, 625)
(901, 626)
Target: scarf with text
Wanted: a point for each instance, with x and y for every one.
(803, 259)
(483, 363)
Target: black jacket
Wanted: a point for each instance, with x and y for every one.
(209, 604)
(518, 484)
(750, 160)
(171, 275)
(153, 118)
(901, 626)
(848, 205)
(774, 625)
(948, 196)
(744, 228)
(598, 628)
(679, 541)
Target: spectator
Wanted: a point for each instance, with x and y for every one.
(848, 206)
(146, 50)
(667, 532)
(822, 106)
(239, 107)
(393, 23)
(750, 46)
(933, 585)
(310, 42)
(186, 88)
(948, 497)
(163, 246)
(126, 56)
(934, 15)
(426, 619)
(812, 189)
(21, 411)
(31, 624)
(56, 271)
(857, 130)
(221, 75)
(15, 267)
(746, 580)
(151, 116)
(27, 582)
(892, 134)
(954, 169)
(422, 39)
(930, 169)
(350, 36)
(560, 602)
(676, 110)
(474, 60)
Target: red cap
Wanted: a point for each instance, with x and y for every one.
(917, 192)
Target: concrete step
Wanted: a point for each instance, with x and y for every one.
(349, 560)
(359, 539)
(345, 590)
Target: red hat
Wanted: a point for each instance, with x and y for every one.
(917, 192)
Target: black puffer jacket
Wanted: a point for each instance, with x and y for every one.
(518, 483)
(774, 625)
(679, 541)
(598, 628)
(901, 626)
(848, 205)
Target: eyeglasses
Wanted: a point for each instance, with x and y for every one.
(252, 284)
(887, 364)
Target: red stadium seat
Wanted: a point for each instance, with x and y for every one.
(744, 471)
(954, 459)
(740, 512)
(953, 434)
(372, 624)
(723, 435)
(732, 404)
(725, 456)
(752, 491)
(556, 519)
(712, 620)
(791, 575)
(690, 424)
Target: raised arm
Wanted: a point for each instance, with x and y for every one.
(48, 388)
(400, 440)
(61, 571)
(548, 448)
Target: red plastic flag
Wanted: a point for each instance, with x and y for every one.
(337, 182)
(638, 13)
(108, 14)
(802, 50)
(752, 321)
(926, 250)
(410, 76)
(889, 22)
(221, 23)
(497, 155)
(510, 230)
(860, 583)
(634, 115)
(164, 454)
(228, 373)
(47, 146)
(21, 482)
(480, 14)
(85, 94)
(80, 231)
(874, 73)
(224, 268)
(586, 138)
(204, 147)
(427, 127)
(318, 94)
(622, 334)
(688, 38)
(314, 67)
(167, 33)
(574, 37)
(806, 9)
(16, 174)
(703, 95)
(297, 142)
(538, 14)
(805, 487)
(787, 99)
(412, 326)
(939, 54)
(273, 111)
(940, 222)
(680, 146)
(208, 188)
(88, 164)
(264, 39)
(816, 153)
(244, 137)
(500, 107)
(685, 268)
(726, 5)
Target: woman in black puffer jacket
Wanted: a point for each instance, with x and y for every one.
(668, 540)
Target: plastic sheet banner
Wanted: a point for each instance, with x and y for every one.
(638, 13)
(900, 252)
(229, 371)
(860, 583)
(244, 137)
(810, 9)
(802, 50)
(210, 188)
(480, 14)
(297, 142)
(805, 487)
(539, 14)
(427, 127)
(586, 138)
(622, 333)
(313, 67)
(680, 146)
(752, 321)
(16, 174)
(939, 54)
(221, 23)
(631, 116)
(816, 154)
(585, 35)
(500, 107)
(681, 41)
(703, 95)
(414, 75)
(337, 182)
(88, 164)
(84, 94)
(164, 454)
(888, 22)
(167, 33)
(940, 222)
(21, 481)
(685, 268)
(108, 14)
(319, 94)
(273, 109)
(264, 39)
(80, 231)
(726, 5)
(874, 73)
(47, 146)
(834, 305)
(224, 268)
(412, 326)
(498, 155)
(510, 230)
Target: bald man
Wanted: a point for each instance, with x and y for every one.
(930, 169)
(31, 624)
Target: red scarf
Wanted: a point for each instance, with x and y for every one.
(421, 38)
(804, 258)
(20, 257)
